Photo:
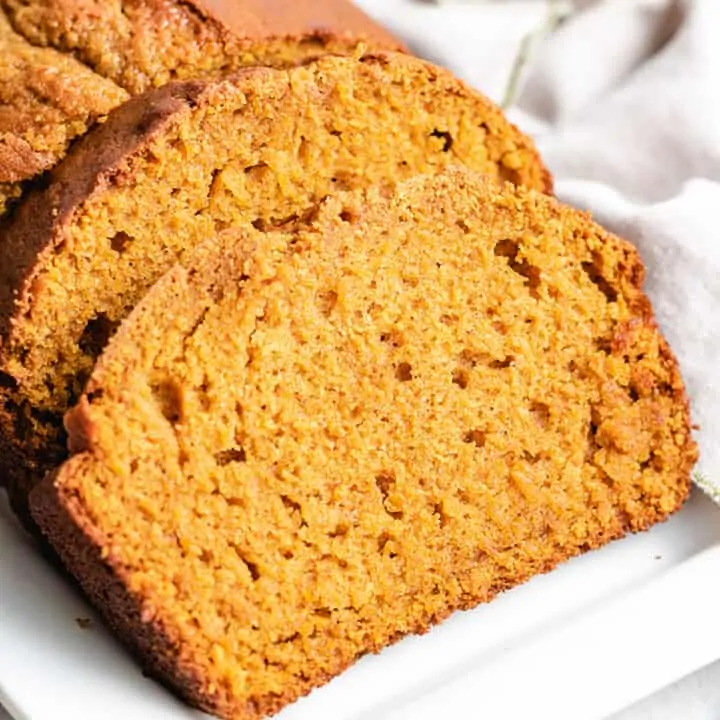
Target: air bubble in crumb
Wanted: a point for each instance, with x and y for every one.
(403, 372)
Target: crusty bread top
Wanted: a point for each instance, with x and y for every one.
(147, 43)
(303, 445)
(50, 21)
(47, 99)
(260, 18)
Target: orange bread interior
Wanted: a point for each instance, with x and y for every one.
(170, 168)
(303, 445)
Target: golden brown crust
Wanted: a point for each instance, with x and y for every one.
(585, 426)
(146, 43)
(66, 64)
(51, 21)
(259, 19)
(18, 161)
(43, 226)
(46, 100)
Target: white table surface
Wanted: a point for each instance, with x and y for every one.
(694, 698)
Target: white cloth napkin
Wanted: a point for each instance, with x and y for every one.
(624, 101)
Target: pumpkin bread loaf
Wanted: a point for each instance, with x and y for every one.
(146, 43)
(170, 168)
(64, 64)
(47, 99)
(303, 445)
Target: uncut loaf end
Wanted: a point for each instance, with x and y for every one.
(64, 64)
(303, 445)
(47, 99)
(140, 44)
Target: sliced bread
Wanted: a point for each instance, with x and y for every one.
(170, 168)
(303, 445)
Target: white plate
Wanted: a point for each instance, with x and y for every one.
(579, 643)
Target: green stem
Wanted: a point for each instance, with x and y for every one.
(556, 14)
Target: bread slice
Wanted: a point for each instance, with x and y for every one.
(65, 64)
(302, 446)
(141, 44)
(170, 168)
(47, 99)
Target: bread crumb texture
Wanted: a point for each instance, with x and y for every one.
(169, 169)
(304, 445)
